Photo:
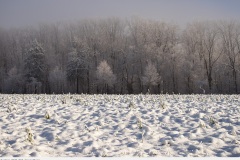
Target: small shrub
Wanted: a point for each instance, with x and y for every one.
(131, 105)
(63, 101)
(163, 105)
(47, 115)
(212, 121)
(11, 109)
(29, 135)
(139, 123)
(202, 124)
(104, 154)
(86, 127)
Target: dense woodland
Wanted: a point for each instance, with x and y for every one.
(121, 56)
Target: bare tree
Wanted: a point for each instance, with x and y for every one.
(191, 64)
(208, 48)
(230, 43)
(206, 57)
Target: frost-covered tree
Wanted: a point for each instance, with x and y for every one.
(202, 56)
(208, 48)
(34, 86)
(190, 64)
(57, 80)
(151, 76)
(14, 82)
(105, 76)
(230, 43)
(75, 68)
(34, 65)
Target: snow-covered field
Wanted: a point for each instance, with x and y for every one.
(119, 125)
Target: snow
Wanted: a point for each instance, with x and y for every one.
(105, 125)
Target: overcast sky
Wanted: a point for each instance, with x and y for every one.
(14, 13)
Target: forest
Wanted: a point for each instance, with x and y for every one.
(121, 56)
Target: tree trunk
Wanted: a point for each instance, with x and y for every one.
(235, 80)
(129, 88)
(210, 83)
(97, 89)
(77, 85)
(114, 89)
(159, 88)
(107, 89)
(174, 84)
(188, 85)
(88, 81)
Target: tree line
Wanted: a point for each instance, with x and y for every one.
(121, 56)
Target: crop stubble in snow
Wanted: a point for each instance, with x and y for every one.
(119, 125)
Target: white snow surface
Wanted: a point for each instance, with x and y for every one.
(119, 125)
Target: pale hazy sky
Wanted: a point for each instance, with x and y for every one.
(14, 13)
